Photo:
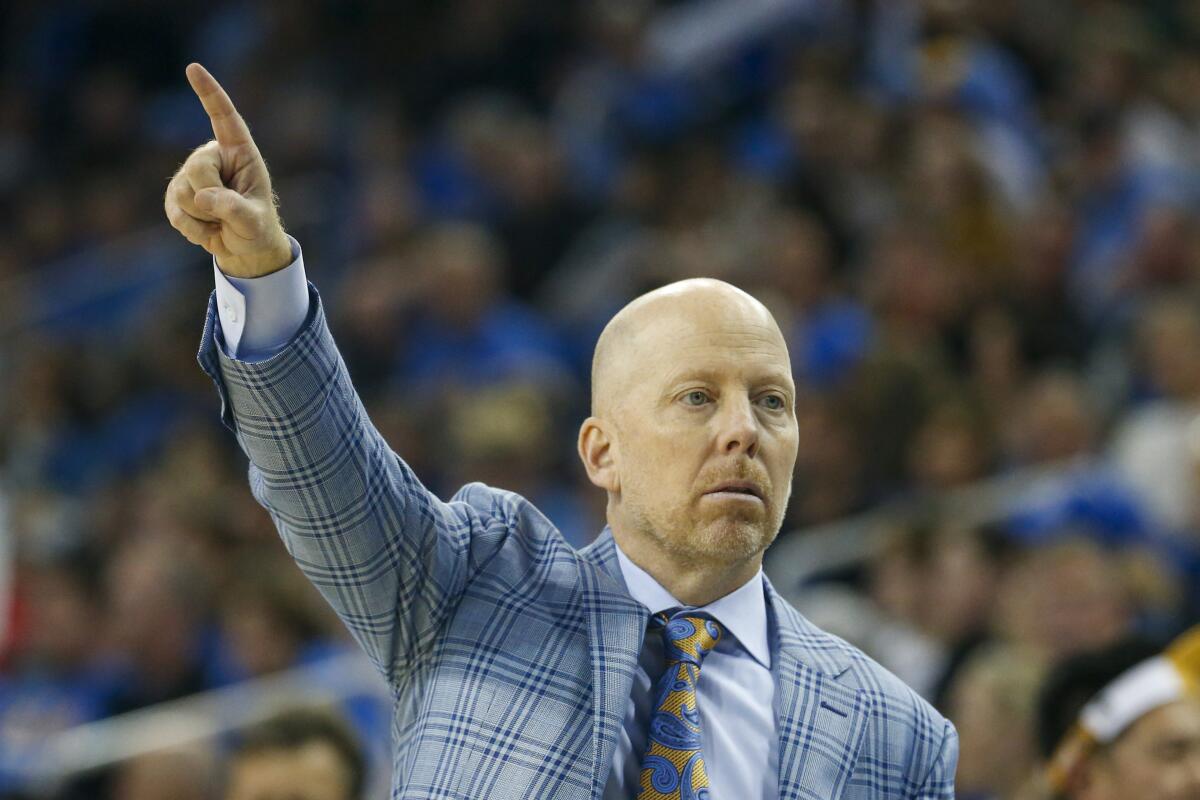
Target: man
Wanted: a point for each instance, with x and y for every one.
(1123, 723)
(303, 754)
(522, 668)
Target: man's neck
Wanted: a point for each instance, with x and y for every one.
(694, 583)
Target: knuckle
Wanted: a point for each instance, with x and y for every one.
(204, 154)
(256, 219)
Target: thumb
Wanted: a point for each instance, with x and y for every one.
(230, 207)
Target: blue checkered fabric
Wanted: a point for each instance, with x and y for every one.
(509, 654)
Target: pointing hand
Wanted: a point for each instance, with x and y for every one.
(221, 197)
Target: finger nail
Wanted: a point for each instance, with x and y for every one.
(204, 201)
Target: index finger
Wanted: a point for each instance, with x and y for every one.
(227, 124)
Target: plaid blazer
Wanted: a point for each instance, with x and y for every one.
(510, 655)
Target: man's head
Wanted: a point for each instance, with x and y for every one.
(693, 428)
(300, 755)
(1157, 756)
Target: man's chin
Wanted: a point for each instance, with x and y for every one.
(731, 539)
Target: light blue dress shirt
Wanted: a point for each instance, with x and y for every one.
(259, 316)
(736, 694)
(736, 691)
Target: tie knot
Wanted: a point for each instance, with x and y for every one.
(687, 636)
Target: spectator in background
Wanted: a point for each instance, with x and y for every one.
(939, 582)
(950, 448)
(997, 370)
(1056, 429)
(993, 700)
(964, 570)
(1055, 422)
(504, 434)
(1123, 723)
(156, 612)
(304, 754)
(468, 330)
(1036, 289)
(266, 622)
(178, 774)
(1151, 448)
(908, 289)
(1065, 598)
(828, 483)
(830, 332)
(57, 678)
(373, 301)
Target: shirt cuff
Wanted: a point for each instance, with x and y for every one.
(259, 316)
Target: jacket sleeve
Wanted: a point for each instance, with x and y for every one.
(939, 782)
(389, 557)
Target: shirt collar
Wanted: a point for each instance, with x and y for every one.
(743, 612)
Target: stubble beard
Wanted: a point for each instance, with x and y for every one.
(693, 540)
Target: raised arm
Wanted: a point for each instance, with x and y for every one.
(390, 557)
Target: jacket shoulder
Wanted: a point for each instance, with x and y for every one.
(530, 546)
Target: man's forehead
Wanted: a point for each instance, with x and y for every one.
(673, 350)
(1180, 718)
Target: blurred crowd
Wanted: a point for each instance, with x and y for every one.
(975, 221)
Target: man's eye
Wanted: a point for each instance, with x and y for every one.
(773, 401)
(1171, 752)
(695, 398)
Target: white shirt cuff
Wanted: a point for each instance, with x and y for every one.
(259, 316)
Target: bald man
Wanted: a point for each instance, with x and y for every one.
(658, 662)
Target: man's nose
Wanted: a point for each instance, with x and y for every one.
(739, 428)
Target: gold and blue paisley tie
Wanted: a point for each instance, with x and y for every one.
(673, 766)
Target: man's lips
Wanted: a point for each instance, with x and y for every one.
(745, 488)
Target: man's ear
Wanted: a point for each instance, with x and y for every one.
(598, 451)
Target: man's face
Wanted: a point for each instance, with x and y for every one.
(1158, 758)
(705, 430)
(310, 772)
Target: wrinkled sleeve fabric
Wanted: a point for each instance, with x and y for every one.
(389, 556)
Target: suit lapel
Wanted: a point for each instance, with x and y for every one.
(821, 721)
(616, 625)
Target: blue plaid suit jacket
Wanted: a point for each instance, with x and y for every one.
(510, 655)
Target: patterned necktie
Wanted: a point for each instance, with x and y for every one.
(673, 766)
